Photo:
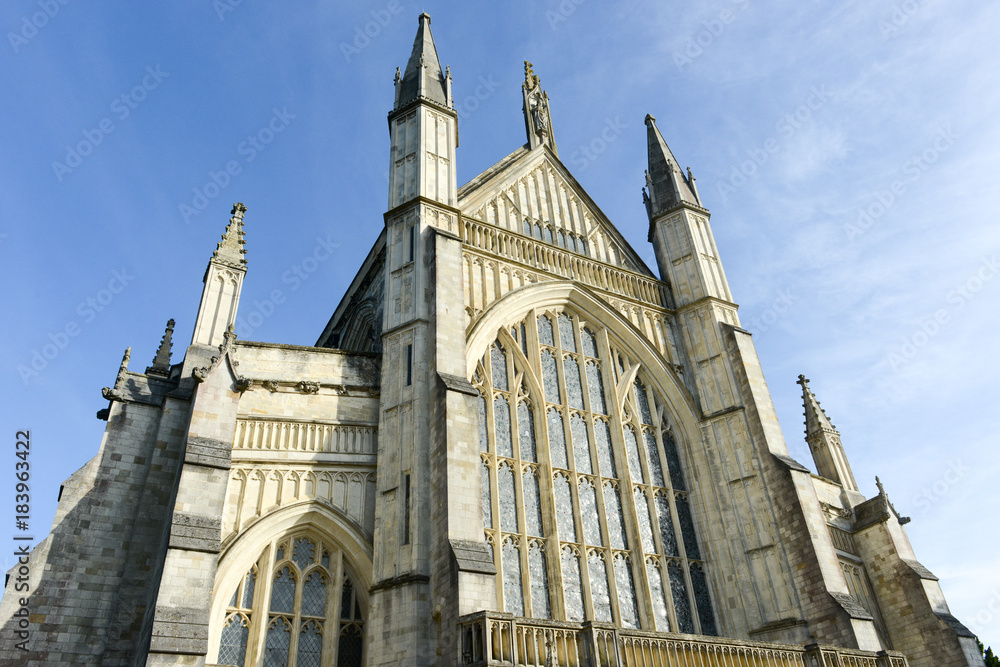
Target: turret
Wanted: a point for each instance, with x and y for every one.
(423, 127)
(824, 442)
(223, 283)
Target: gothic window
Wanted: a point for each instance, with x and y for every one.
(585, 509)
(308, 587)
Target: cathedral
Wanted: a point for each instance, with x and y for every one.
(513, 443)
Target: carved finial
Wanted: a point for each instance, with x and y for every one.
(447, 71)
(238, 210)
(398, 76)
(110, 392)
(803, 380)
(650, 119)
(161, 362)
(228, 338)
(690, 175)
(530, 78)
(878, 483)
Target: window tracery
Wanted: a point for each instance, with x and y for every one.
(594, 520)
(306, 609)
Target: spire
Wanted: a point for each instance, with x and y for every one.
(161, 362)
(232, 248)
(665, 182)
(423, 77)
(824, 442)
(537, 119)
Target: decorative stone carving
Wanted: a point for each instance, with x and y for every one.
(308, 387)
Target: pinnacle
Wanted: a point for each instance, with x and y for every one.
(423, 77)
(161, 362)
(232, 247)
(816, 419)
(666, 182)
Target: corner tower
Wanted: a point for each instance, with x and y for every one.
(430, 564)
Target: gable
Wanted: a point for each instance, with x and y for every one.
(532, 193)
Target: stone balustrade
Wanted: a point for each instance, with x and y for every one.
(491, 639)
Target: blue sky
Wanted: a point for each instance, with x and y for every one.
(849, 156)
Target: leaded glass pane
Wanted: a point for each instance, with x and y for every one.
(545, 334)
(524, 339)
(581, 444)
(547, 234)
(596, 387)
(526, 227)
(588, 514)
(537, 231)
(532, 504)
(702, 600)
(562, 239)
(589, 342)
(655, 469)
(233, 647)
(599, 592)
(346, 597)
(643, 401)
(673, 461)
(539, 582)
(303, 552)
(487, 501)
(508, 507)
(566, 333)
(645, 529)
(283, 591)
(627, 603)
(557, 440)
(277, 643)
(605, 456)
(564, 509)
(616, 522)
(484, 440)
(573, 386)
(280, 554)
(310, 649)
(350, 646)
(679, 592)
(526, 432)
(666, 526)
(498, 362)
(314, 595)
(632, 451)
(236, 594)
(572, 585)
(513, 596)
(659, 597)
(687, 528)
(326, 559)
(501, 415)
(550, 376)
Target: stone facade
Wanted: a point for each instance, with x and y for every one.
(513, 443)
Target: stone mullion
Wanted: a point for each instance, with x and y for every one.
(546, 492)
(264, 618)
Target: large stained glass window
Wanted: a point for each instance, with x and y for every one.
(312, 594)
(586, 513)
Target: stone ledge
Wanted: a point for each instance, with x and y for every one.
(472, 557)
(457, 383)
(208, 452)
(851, 606)
(196, 533)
